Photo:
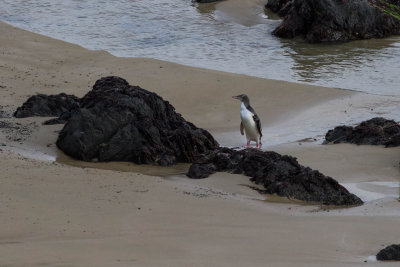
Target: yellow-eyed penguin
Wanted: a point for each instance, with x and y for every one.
(250, 124)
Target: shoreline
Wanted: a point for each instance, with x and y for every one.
(58, 214)
(248, 13)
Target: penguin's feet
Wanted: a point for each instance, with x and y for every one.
(248, 144)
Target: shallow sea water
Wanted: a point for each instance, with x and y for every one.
(211, 36)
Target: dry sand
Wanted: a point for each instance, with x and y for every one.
(58, 212)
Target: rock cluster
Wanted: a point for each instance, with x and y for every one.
(281, 175)
(120, 122)
(336, 20)
(376, 131)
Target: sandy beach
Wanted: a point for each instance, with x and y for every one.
(56, 211)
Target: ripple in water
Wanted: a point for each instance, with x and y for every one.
(217, 36)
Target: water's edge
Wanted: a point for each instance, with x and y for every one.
(225, 36)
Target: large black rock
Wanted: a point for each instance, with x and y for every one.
(281, 175)
(390, 253)
(376, 131)
(47, 105)
(337, 20)
(120, 122)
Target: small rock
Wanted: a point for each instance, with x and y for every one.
(47, 105)
(376, 131)
(390, 253)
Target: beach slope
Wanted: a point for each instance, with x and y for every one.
(56, 211)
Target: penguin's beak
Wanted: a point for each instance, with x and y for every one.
(235, 97)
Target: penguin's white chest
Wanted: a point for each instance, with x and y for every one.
(249, 124)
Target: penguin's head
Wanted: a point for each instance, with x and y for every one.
(244, 98)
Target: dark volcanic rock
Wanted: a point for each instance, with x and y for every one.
(278, 174)
(47, 105)
(376, 131)
(276, 5)
(337, 20)
(393, 141)
(281, 7)
(390, 253)
(119, 122)
(64, 117)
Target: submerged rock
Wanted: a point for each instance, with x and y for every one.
(281, 175)
(390, 253)
(336, 20)
(47, 105)
(376, 131)
(120, 122)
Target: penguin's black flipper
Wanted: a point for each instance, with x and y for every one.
(258, 123)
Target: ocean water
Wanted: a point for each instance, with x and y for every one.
(212, 36)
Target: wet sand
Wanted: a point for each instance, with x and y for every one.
(57, 212)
